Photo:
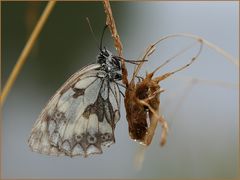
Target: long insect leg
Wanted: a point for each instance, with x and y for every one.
(136, 62)
(139, 78)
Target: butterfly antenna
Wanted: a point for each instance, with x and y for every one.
(91, 29)
(104, 29)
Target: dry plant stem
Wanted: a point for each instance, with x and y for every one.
(111, 24)
(173, 57)
(204, 41)
(156, 118)
(27, 49)
(148, 52)
(139, 157)
(199, 39)
(117, 42)
(207, 81)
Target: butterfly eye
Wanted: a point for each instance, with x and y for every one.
(101, 59)
(105, 52)
(116, 61)
(118, 77)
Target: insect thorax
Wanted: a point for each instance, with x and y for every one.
(110, 64)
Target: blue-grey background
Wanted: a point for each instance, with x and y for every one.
(203, 138)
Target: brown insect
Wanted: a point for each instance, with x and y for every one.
(142, 102)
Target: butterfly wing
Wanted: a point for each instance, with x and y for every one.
(80, 118)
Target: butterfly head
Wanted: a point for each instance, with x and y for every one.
(110, 64)
(108, 60)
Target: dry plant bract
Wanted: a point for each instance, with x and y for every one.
(142, 102)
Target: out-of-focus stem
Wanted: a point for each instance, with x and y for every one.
(27, 49)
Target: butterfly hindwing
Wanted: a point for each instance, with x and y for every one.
(80, 118)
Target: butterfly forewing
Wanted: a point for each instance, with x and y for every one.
(80, 118)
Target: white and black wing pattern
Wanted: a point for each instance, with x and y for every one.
(80, 118)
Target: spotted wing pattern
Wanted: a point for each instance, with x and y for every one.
(80, 118)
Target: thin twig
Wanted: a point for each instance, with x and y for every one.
(27, 49)
(221, 84)
(112, 26)
(228, 56)
(117, 42)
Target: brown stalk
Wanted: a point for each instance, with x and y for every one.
(25, 52)
(117, 42)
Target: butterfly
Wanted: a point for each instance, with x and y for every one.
(81, 116)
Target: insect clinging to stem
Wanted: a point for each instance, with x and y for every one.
(142, 102)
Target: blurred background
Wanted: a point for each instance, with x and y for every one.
(203, 117)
